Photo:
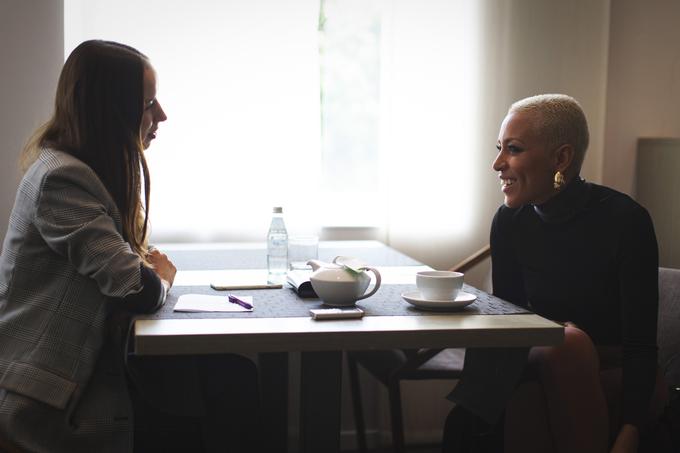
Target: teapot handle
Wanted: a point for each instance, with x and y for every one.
(377, 282)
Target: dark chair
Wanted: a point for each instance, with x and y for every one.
(392, 367)
(669, 325)
(666, 437)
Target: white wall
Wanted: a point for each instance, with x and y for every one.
(31, 55)
(643, 88)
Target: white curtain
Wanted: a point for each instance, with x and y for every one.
(241, 82)
(430, 88)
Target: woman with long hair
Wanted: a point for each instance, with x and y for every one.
(76, 265)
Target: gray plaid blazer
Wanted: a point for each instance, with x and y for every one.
(63, 269)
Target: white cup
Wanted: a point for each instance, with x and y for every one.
(302, 249)
(439, 285)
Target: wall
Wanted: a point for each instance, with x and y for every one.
(31, 55)
(643, 88)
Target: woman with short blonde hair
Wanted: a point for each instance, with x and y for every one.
(583, 255)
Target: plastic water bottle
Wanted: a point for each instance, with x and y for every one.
(277, 248)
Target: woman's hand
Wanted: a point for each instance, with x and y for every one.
(162, 266)
(627, 441)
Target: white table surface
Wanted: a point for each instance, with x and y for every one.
(263, 335)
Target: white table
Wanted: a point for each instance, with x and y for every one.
(322, 342)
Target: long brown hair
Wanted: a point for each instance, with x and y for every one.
(97, 116)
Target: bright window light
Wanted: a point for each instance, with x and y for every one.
(345, 112)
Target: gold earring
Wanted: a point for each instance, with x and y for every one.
(559, 180)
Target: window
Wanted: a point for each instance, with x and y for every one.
(344, 112)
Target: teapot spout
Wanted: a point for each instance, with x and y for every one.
(316, 264)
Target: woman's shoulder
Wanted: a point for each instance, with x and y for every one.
(613, 202)
(619, 211)
(59, 170)
(54, 164)
(51, 159)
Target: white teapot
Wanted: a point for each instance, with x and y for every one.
(342, 282)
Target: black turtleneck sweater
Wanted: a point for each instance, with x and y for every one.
(589, 256)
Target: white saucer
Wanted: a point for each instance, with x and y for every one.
(463, 299)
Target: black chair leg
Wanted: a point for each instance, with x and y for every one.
(394, 391)
(355, 389)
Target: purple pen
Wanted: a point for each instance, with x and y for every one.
(235, 300)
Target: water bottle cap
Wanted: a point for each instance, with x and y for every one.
(277, 210)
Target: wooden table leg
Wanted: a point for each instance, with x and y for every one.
(320, 388)
(273, 368)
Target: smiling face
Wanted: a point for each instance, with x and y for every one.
(153, 112)
(524, 163)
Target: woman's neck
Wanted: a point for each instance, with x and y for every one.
(565, 204)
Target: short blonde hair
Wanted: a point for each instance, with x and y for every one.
(559, 119)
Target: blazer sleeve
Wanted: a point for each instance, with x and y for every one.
(75, 217)
(151, 297)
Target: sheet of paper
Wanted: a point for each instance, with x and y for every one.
(196, 303)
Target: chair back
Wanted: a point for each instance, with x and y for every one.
(668, 334)
(472, 260)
